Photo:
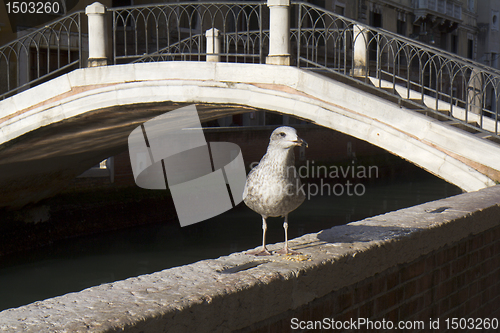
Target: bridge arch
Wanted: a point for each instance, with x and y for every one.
(456, 156)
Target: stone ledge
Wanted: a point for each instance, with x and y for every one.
(235, 291)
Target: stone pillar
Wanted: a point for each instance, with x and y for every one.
(475, 91)
(213, 45)
(96, 13)
(279, 38)
(360, 35)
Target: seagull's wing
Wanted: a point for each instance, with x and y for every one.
(249, 177)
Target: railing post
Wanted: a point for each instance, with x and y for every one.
(213, 45)
(475, 91)
(279, 39)
(360, 35)
(96, 13)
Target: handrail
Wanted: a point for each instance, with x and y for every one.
(41, 55)
(420, 44)
(458, 88)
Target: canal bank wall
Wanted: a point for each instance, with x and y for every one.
(425, 264)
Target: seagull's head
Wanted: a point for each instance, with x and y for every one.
(285, 137)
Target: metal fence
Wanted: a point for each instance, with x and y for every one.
(176, 31)
(41, 55)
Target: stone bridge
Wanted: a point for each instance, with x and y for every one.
(54, 131)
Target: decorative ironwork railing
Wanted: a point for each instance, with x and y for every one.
(176, 31)
(449, 85)
(183, 49)
(41, 55)
(319, 39)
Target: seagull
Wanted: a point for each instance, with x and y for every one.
(273, 187)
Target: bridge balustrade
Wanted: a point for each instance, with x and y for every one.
(177, 31)
(41, 55)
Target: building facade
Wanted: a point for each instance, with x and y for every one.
(489, 32)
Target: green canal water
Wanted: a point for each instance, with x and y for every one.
(76, 264)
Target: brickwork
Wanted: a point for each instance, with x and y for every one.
(457, 281)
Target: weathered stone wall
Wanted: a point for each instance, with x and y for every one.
(81, 213)
(437, 260)
(461, 281)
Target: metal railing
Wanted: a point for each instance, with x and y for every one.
(254, 41)
(41, 55)
(434, 80)
(319, 39)
(440, 81)
(176, 31)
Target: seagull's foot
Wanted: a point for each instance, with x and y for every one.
(287, 250)
(261, 252)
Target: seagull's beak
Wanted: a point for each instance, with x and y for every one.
(300, 142)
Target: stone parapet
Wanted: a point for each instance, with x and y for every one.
(436, 260)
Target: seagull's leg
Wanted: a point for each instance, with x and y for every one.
(286, 250)
(263, 251)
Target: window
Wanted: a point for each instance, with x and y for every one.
(339, 10)
(444, 41)
(454, 43)
(401, 27)
(123, 21)
(376, 20)
(471, 6)
(494, 20)
(494, 60)
(319, 3)
(470, 48)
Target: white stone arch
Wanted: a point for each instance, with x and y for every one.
(454, 155)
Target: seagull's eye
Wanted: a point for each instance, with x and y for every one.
(282, 134)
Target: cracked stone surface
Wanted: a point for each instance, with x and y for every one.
(232, 292)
